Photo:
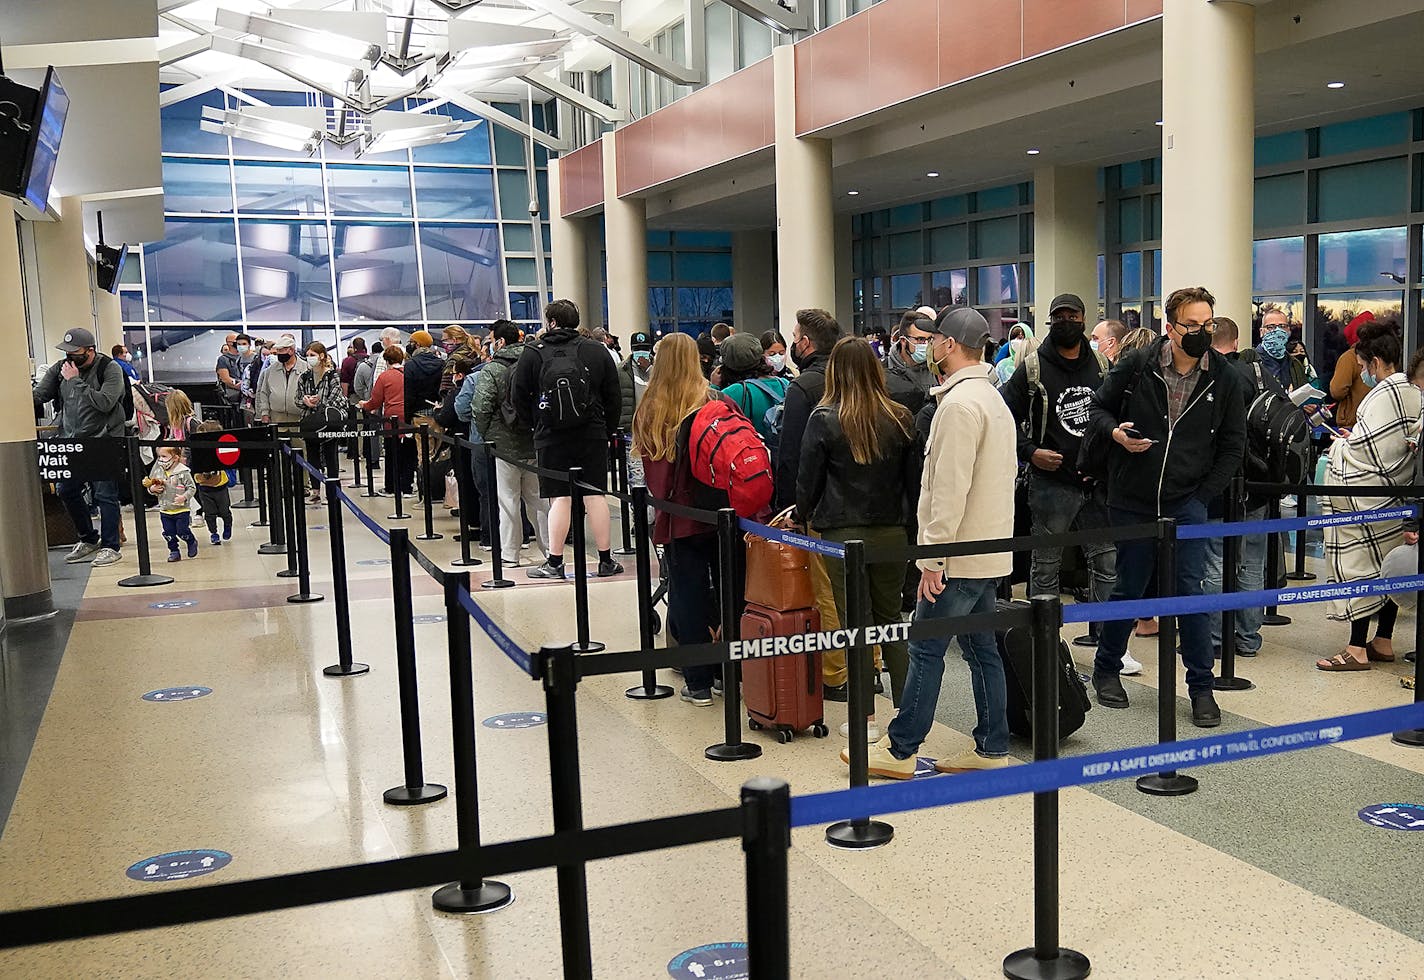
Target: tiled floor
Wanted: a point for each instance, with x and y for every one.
(1265, 872)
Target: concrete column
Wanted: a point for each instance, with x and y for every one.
(1065, 238)
(625, 229)
(24, 560)
(1208, 150)
(569, 238)
(845, 273)
(805, 221)
(753, 283)
(66, 297)
(109, 316)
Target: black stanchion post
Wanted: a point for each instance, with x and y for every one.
(428, 494)
(393, 453)
(497, 580)
(462, 460)
(248, 501)
(145, 576)
(559, 673)
(299, 538)
(415, 790)
(292, 501)
(276, 503)
(766, 837)
(1230, 584)
(262, 483)
(576, 519)
(375, 440)
(620, 467)
(861, 832)
(1170, 782)
(1273, 564)
(1302, 509)
(650, 689)
(360, 450)
(1414, 737)
(472, 893)
(345, 666)
(1045, 959)
(731, 748)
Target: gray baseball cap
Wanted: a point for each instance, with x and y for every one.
(964, 325)
(76, 339)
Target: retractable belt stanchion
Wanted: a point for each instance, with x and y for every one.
(374, 440)
(731, 748)
(261, 503)
(650, 689)
(1302, 510)
(145, 576)
(415, 790)
(497, 579)
(1230, 583)
(427, 496)
(1169, 782)
(1045, 959)
(276, 511)
(766, 837)
(576, 518)
(248, 501)
(472, 893)
(558, 672)
(1415, 736)
(861, 832)
(360, 450)
(620, 467)
(345, 666)
(299, 538)
(393, 453)
(462, 460)
(1273, 565)
(292, 501)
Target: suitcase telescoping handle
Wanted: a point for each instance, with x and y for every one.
(812, 674)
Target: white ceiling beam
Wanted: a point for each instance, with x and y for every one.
(205, 84)
(776, 17)
(500, 118)
(115, 51)
(616, 41)
(574, 97)
(184, 49)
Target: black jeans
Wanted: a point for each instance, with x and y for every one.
(321, 453)
(693, 602)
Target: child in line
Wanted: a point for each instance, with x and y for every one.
(172, 483)
(215, 496)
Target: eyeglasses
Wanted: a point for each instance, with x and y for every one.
(1193, 328)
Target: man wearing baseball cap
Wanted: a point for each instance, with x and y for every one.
(277, 396)
(969, 472)
(90, 389)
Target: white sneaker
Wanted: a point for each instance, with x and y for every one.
(872, 732)
(106, 556)
(83, 551)
(1130, 666)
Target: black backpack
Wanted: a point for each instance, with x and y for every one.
(1016, 651)
(128, 384)
(566, 399)
(1277, 435)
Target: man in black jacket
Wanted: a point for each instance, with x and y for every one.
(1172, 420)
(565, 387)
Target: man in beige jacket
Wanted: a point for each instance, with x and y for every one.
(968, 475)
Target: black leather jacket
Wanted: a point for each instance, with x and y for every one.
(833, 490)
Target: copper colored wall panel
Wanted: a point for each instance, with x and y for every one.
(636, 146)
(975, 37)
(833, 74)
(1138, 10)
(904, 50)
(581, 178)
(1050, 24)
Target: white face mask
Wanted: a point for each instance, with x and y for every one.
(776, 361)
(314, 360)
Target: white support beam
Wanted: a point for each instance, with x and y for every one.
(500, 118)
(205, 84)
(116, 51)
(184, 49)
(694, 37)
(776, 17)
(616, 41)
(574, 97)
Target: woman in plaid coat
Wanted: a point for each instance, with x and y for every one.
(1379, 451)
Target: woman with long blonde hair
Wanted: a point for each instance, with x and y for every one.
(676, 391)
(859, 480)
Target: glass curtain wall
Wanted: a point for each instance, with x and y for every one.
(689, 283)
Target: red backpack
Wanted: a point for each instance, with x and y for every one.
(726, 452)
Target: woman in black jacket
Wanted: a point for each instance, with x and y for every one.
(859, 479)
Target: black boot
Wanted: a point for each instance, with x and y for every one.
(1205, 713)
(1110, 691)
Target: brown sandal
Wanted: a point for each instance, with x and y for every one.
(1376, 655)
(1341, 661)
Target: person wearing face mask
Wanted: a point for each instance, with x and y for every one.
(908, 360)
(279, 392)
(633, 375)
(124, 360)
(230, 369)
(775, 350)
(1106, 338)
(323, 405)
(746, 379)
(89, 388)
(1172, 420)
(1271, 353)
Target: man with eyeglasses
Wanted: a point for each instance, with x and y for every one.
(1172, 419)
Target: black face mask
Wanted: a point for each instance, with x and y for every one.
(798, 358)
(1065, 333)
(1196, 344)
(284, 358)
(79, 359)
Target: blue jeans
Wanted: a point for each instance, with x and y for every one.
(1251, 577)
(106, 498)
(961, 597)
(1136, 561)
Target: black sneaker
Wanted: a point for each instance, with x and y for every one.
(1086, 640)
(609, 568)
(547, 570)
(717, 689)
(879, 683)
(835, 692)
(1205, 713)
(1109, 690)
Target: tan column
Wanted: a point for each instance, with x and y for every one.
(109, 318)
(569, 238)
(24, 561)
(625, 229)
(66, 297)
(753, 285)
(805, 220)
(1065, 238)
(1208, 150)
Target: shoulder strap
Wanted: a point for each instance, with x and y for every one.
(1033, 374)
(1103, 366)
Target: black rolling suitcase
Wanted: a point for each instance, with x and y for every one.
(1016, 650)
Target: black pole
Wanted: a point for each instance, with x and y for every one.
(299, 537)
(861, 832)
(1414, 737)
(375, 440)
(427, 496)
(577, 512)
(1302, 509)
(650, 689)
(462, 464)
(360, 450)
(1230, 584)
(393, 455)
(472, 892)
(262, 483)
(145, 576)
(276, 503)
(560, 677)
(292, 501)
(415, 790)
(345, 666)
(1045, 958)
(1168, 783)
(620, 468)
(1273, 564)
(497, 580)
(248, 501)
(731, 748)
(766, 837)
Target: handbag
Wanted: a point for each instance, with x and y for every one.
(778, 575)
(322, 418)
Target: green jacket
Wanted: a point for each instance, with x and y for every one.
(91, 404)
(511, 441)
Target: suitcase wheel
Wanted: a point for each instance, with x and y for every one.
(754, 725)
(819, 730)
(784, 735)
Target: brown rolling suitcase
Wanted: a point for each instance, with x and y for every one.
(783, 693)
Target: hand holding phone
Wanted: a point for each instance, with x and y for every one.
(1128, 437)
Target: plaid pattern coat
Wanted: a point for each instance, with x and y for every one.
(1380, 451)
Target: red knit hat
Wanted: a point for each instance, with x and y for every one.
(1352, 329)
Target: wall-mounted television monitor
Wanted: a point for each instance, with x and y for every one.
(46, 129)
(109, 266)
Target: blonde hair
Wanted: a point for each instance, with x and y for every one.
(676, 387)
(1138, 337)
(855, 388)
(180, 409)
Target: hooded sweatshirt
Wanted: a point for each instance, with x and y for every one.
(1056, 417)
(177, 481)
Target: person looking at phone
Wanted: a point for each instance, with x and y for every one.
(1171, 419)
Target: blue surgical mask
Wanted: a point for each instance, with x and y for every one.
(1369, 379)
(1093, 344)
(920, 353)
(1273, 342)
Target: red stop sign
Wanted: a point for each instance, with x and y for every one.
(228, 457)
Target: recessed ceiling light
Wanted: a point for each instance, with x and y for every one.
(1033, 153)
(1334, 84)
(852, 193)
(932, 173)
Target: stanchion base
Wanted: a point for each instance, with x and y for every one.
(625, 552)
(1232, 684)
(592, 646)
(288, 573)
(399, 517)
(336, 670)
(461, 563)
(244, 504)
(1166, 784)
(1025, 964)
(859, 836)
(656, 693)
(259, 523)
(1276, 619)
(271, 549)
(357, 485)
(1300, 576)
(726, 752)
(415, 796)
(1411, 736)
(491, 896)
(302, 597)
(498, 583)
(374, 493)
(143, 581)
(433, 536)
